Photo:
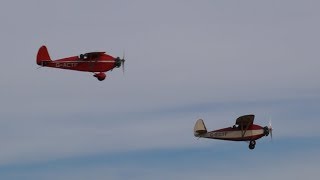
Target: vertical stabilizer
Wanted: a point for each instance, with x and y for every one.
(199, 128)
(43, 55)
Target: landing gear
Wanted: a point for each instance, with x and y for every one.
(100, 76)
(252, 144)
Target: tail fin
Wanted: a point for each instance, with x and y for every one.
(43, 55)
(199, 128)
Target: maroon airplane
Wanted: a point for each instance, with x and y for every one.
(95, 62)
(243, 130)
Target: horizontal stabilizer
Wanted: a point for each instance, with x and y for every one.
(199, 128)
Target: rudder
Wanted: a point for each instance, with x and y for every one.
(199, 128)
(43, 55)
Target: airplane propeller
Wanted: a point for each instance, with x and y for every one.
(270, 128)
(120, 62)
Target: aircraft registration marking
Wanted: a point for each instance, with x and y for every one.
(218, 134)
(66, 65)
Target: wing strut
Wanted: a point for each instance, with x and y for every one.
(244, 122)
(243, 131)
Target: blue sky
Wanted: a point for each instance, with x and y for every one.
(215, 60)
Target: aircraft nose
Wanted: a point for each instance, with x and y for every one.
(266, 131)
(117, 62)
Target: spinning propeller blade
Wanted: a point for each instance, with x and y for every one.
(270, 128)
(122, 62)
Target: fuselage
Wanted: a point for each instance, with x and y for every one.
(102, 64)
(253, 132)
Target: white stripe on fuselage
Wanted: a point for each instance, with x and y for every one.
(72, 64)
(82, 61)
(232, 134)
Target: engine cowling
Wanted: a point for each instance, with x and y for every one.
(100, 76)
(266, 131)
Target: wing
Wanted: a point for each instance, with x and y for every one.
(95, 53)
(245, 120)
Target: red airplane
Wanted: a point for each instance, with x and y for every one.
(243, 130)
(95, 62)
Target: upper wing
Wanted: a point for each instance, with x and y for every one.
(245, 120)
